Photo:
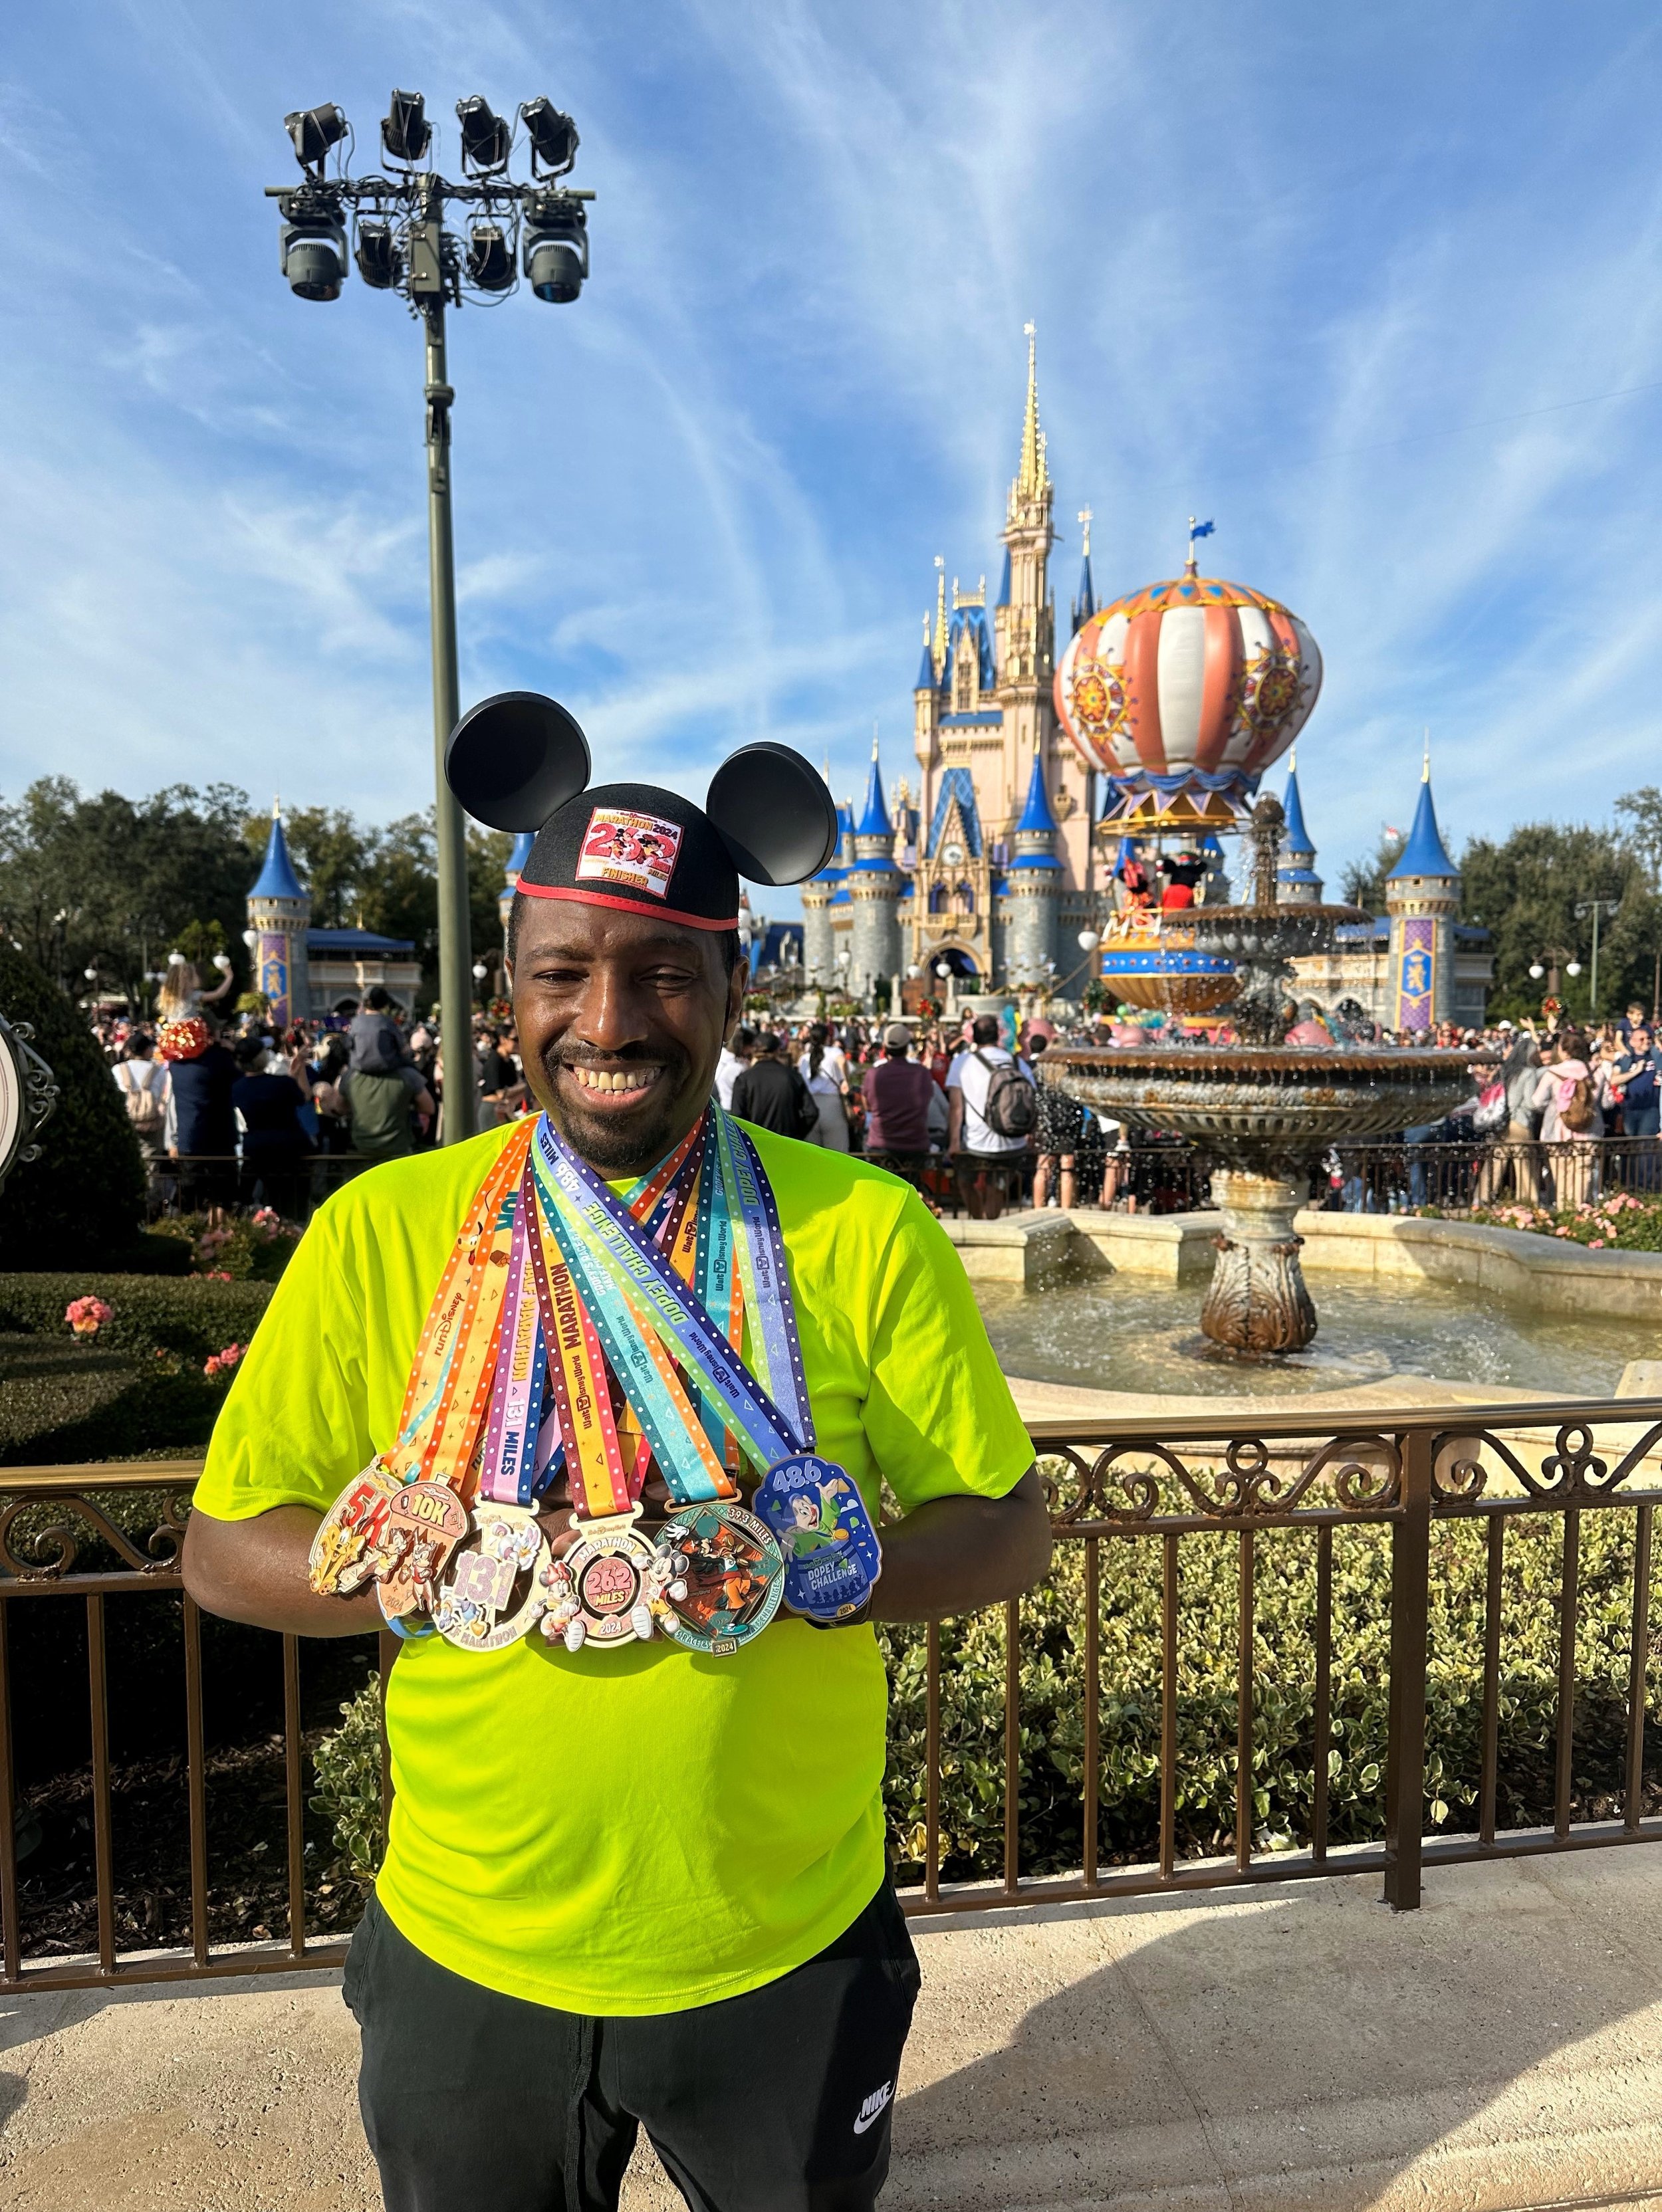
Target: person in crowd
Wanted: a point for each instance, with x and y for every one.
(377, 1044)
(1057, 1131)
(1566, 1093)
(384, 1107)
(201, 1125)
(771, 1091)
(985, 1160)
(1513, 1155)
(142, 1079)
(1635, 1079)
(822, 1068)
(328, 1102)
(736, 1055)
(275, 1148)
(899, 1093)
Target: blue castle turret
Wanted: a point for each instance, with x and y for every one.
(1423, 898)
(1300, 884)
(1031, 886)
(279, 912)
(1086, 604)
(875, 887)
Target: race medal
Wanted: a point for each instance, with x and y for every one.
(616, 1582)
(345, 1552)
(833, 1556)
(492, 1592)
(723, 1574)
(426, 1522)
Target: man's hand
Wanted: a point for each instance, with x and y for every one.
(957, 1554)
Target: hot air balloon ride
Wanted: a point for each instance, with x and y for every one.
(1182, 694)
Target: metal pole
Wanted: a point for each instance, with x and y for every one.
(1592, 981)
(455, 944)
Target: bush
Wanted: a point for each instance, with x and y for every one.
(137, 1386)
(1052, 1701)
(1620, 1222)
(248, 1248)
(83, 1199)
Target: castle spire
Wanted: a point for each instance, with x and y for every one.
(874, 822)
(1086, 604)
(938, 650)
(1033, 472)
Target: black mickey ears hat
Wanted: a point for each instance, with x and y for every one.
(520, 762)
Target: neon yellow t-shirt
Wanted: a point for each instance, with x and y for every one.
(643, 1830)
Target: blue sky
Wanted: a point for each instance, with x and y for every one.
(1358, 283)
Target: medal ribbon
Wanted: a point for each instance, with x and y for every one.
(670, 1427)
(624, 1268)
(451, 1378)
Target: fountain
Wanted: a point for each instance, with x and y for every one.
(1268, 1110)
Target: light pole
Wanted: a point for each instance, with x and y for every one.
(400, 244)
(1595, 908)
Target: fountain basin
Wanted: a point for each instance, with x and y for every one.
(1268, 1104)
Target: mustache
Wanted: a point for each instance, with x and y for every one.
(663, 1055)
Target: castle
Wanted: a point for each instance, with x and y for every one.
(990, 870)
(303, 972)
(1003, 856)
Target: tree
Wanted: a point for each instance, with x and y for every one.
(1364, 881)
(1525, 891)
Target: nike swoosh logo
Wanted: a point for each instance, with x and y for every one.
(870, 2120)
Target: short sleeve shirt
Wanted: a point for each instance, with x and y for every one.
(639, 1831)
(972, 1073)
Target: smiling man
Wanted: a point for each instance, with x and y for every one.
(624, 1884)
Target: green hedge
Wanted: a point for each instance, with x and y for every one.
(135, 1388)
(1052, 1704)
(83, 1199)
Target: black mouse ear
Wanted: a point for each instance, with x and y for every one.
(773, 814)
(514, 759)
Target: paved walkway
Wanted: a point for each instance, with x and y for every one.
(1295, 2050)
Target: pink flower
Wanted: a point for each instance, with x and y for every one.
(85, 1316)
(222, 1363)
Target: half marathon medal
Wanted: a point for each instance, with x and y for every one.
(495, 1593)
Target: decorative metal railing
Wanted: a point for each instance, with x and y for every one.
(101, 1540)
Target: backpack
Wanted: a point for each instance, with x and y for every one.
(144, 1109)
(1575, 1103)
(1492, 1113)
(1012, 1106)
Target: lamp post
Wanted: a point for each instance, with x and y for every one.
(400, 244)
(1595, 907)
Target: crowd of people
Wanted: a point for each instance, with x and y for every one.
(240, 1112)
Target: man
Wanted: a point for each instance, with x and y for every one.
(275, 1148)
(383, 1107)
(898, 1094)
(1633, 1080)
(771, 1091)
(629, 1886)
(735, 1059)
(984, 1158)
(201, 1127)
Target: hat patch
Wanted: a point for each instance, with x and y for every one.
(636, 851)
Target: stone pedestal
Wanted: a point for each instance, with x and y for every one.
(1257, 1301)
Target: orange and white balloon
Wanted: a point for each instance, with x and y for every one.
(1195, 678)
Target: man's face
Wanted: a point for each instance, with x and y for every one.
(1639, 1040)
(620, 1020)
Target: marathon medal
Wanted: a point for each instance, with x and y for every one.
(723, 1576)
(607, 1590)
(832, 1559)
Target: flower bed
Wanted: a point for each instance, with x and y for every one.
(1618, 1222)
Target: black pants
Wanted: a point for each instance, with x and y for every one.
(776, 2101)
